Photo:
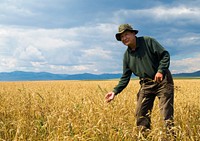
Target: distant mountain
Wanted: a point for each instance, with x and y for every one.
(36, 76)
(193, 74)
(33, 76)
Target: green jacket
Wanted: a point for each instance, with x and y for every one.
(145, 61)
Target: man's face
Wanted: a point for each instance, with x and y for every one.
(128, 38)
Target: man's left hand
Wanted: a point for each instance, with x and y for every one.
(158, 77)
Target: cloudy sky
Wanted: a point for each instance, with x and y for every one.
(78, 36)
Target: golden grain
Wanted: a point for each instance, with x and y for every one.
(76, 110)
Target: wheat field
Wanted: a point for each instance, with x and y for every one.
(77, 111)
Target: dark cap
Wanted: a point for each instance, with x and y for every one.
(122, 28)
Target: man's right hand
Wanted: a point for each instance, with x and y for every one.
(110, 96)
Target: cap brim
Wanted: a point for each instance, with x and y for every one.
(119, 34)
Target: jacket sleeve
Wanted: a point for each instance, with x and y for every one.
(164, 62)
(125, 78)
(162, 55)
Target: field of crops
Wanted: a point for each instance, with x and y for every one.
(76, 111)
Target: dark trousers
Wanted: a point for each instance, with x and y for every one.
(145, 99)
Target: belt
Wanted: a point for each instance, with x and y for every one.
(145, 80)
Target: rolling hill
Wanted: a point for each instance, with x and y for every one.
(32, 76)
(36, 76)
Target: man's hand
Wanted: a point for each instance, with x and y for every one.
(158, 77)
(109, 96)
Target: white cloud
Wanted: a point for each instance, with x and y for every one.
(7, 63)
(31, 54)
(187, 64)
(180, 12)
(189, 41)
(72, 50)
(98, 53)
(180, 15)
(182, 42)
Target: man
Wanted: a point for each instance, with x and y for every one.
(148, 60)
